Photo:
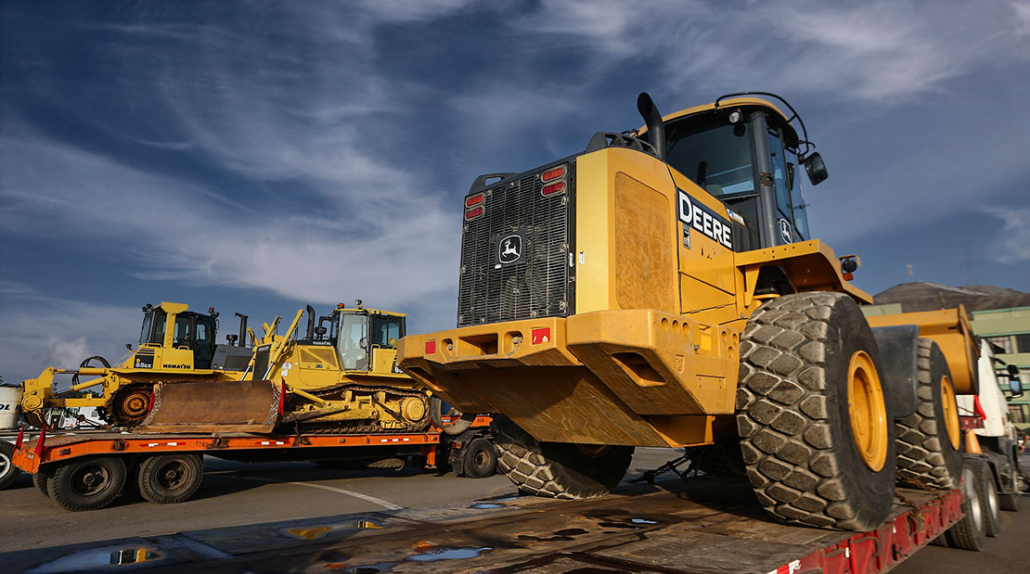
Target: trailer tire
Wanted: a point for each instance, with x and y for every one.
(989, 492)
(87, 484)
(810, 383)
(929, 441)
(39, 480)
(8, 472)
(970, 532)
(557, 470)
(1010, 501)
(170, 478)
(480, 458)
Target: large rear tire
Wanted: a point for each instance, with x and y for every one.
(970, 532)
(87, 484)
(39, 480)
(170, 478)
(929, 441)
(8, 472)
(557, 470)
(814, 421)
(989, 492)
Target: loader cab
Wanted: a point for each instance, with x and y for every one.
(747, 154)
(366, 339)
(189, 331)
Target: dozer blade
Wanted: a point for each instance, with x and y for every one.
(213, 406)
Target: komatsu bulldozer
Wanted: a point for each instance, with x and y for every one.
(662, 288)
(175, 344)
(342, 375)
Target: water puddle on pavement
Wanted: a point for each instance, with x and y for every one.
(320, 530)
(97, 559)
(431, 553)
(486, 505)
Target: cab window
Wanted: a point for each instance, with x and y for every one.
(352, 341)
(181, 338)
(153, 328)
(715, 155)
(388, 330)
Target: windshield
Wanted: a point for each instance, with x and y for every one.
(153, 327)
(352, 341)
(716, 155)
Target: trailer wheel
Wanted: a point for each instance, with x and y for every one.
(480, 458)
(970, 532)
(815, 425)
(170, 478)
(989, 492)
(929, 442)
(39, 480)
(557, 470)
(1010, 501)
(87, 484)
(8, 472)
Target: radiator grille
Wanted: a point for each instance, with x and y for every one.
(538, 284)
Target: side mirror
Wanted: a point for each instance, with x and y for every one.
(816, 168)
(1014, 384)
(128, 346)
(363, 343)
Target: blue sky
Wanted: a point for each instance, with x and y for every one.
(259, 156)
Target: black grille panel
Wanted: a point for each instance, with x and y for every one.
(538, 284)
(261, 362)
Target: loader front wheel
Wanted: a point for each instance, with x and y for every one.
(87, 484)
(814, 422)
(929, 440)
(170, 478)
(557, 470)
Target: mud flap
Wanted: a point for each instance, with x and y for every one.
(213, 406)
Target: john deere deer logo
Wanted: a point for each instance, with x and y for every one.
(509, 249)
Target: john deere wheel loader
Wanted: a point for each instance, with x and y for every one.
(175, 345)
(662, 289)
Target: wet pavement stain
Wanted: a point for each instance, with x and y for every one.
(563, 535)
(430, 553)
(316, 532)
(486, 505)
(95, 559)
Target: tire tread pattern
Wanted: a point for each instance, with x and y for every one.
(555, 470)
(784, 410)
(924, 453)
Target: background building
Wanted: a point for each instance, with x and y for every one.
(1009, 331)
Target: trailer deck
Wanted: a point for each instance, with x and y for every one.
(708, 525)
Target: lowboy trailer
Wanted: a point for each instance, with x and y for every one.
(87, 470)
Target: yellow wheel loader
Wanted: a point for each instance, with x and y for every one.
(175, 345)
(662, 289)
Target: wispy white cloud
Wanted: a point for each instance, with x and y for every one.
(1012, 243)
(867, 51)
(41, 332)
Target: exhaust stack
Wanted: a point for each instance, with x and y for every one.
(243, 329)
(311, 324)
(653, 120)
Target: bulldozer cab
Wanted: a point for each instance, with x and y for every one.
(366, 339)
(189, 331)
(748, 155)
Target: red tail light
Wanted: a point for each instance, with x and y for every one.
(474, 199)
(553, 188)
(473, 213)
(538, 336)
(430, 347)
(553, 173)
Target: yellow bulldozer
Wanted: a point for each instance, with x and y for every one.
(342, 375)
(662, 289)
(175, 344)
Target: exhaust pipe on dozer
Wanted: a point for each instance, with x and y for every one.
(653, 120)
(243, 329)
(311, 324)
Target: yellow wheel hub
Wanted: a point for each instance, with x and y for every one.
(951, 422)
(867, 411)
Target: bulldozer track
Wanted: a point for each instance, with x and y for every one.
(365, 427)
